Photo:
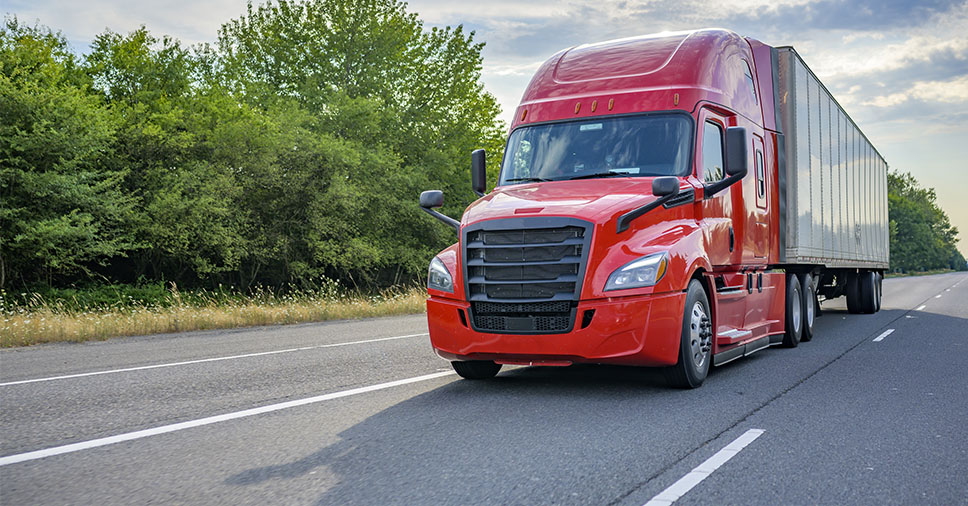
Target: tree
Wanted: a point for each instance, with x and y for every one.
(922, 237)
(61, 207)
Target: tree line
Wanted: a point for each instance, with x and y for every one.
(293, 149)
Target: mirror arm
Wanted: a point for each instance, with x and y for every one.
(710, 190)
(626, 219)
(447, 220)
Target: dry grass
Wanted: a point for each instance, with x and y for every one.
(44, 324)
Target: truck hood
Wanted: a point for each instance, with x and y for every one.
(596, 200)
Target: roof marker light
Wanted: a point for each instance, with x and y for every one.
(577, 107)
(594, 105)
(675, 99)
(611, 102)
(524, 114)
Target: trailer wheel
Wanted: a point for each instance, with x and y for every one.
(880, 281)
(854, 305)
(476, 369)
(808, 294)
(867, 286)
(695, 342)
(794, 312)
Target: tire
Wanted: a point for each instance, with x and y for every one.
(808, 297)
(853, 294)
(880, 281)
(794, 312)
(476, 369)
(867, 286)
(695, 341)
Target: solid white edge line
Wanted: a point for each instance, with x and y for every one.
(203, 360)
(94, 443)
(694, 477)
(885, 334)
(922, 306)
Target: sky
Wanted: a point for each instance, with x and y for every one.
(898, 67)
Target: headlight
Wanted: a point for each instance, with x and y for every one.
(439, 278)
(646, 271)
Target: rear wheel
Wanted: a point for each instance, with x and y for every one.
(853, 294)
(476, 369)
(695, 342)
(794, 312)
(867, 286)
(877, 301)
(808, 290)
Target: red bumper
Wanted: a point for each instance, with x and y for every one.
(642, 330)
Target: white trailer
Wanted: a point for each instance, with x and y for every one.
(835, 181)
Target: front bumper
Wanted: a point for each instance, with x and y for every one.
(638, 330)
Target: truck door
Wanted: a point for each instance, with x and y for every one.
(760, 213)
(721, 239)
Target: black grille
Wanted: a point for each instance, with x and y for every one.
(524, 275)
(523, 317)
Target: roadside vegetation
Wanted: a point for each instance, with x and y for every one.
(123, 310)
(292, 149)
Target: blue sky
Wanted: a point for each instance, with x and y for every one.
(899, 68)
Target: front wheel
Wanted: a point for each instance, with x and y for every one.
(695, 342)
(476, 369)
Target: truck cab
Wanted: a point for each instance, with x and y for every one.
(636, 219)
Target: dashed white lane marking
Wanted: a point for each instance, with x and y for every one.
(937, 296)
(885, 334)
(921, 307)
(94, 443)
(203, 360)
(687, 482)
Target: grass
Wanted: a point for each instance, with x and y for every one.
(83, 315)
(916, 273)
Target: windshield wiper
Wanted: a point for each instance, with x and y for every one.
(610, 173)
(528, 179)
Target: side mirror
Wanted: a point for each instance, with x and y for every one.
(664, 188)
(737, 144)
(478, 171)
(435, 198)
(431, 198)
(667, 185)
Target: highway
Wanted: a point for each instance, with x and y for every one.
(874, 410)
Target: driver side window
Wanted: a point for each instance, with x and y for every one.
(712, 152)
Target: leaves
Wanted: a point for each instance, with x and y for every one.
(293, 148)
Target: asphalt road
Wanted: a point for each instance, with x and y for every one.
(843, 419)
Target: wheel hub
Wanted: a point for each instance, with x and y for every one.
(700, 335)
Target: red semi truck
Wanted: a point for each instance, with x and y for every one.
(676, 200)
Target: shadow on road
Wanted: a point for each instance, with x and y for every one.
(462, 441)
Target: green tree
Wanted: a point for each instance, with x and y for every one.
(61, 207)
(922, 237)
(406, 103)
(188, 217)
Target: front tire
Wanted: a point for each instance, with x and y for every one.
(794, 312)
(695, 342)
(476, 369)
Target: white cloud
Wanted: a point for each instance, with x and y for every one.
(948, 92)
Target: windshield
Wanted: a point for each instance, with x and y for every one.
(653, 145)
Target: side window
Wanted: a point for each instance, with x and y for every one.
(712, 152)
(749, 80)
(760, 175)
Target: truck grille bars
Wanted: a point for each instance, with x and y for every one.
(524, 275)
